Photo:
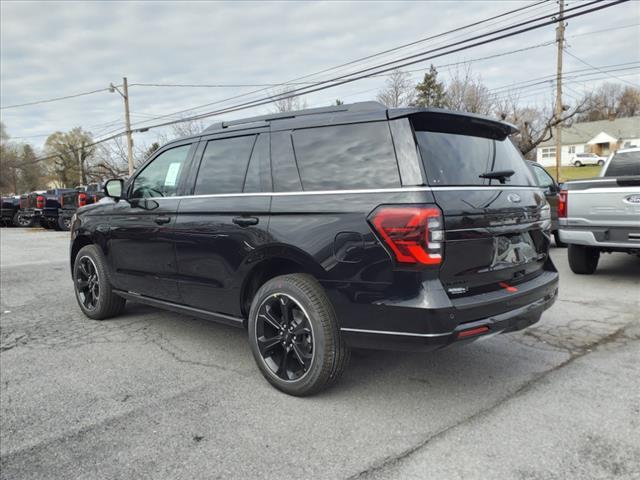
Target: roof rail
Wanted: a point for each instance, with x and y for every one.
(263, 120)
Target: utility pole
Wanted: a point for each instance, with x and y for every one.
(127, 119)
(559, 109)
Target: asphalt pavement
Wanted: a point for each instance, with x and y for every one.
(154, 394)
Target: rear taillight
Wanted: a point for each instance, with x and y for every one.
(413, 233)
(82, 199)
(20, 204)
(39, 201)
(62, 200)
(563, 198)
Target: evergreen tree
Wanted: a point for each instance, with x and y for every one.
(30, 177)
(430, 92)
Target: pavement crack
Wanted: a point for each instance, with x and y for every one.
(393, 461)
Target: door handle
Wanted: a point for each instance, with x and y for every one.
(245, 221)
(160, 220)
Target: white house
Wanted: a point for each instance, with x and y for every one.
(601, 137)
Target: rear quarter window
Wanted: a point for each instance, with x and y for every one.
(346, 157)
(460, 159)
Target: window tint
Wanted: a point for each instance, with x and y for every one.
(162, 176)
(284, 169)
(258, 175)
(346, 157)
(543, 179)
(624, 164)
(457, 159)
(224, 165)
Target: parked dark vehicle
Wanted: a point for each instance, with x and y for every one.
(30, 209)
(552, 194)
(9, 210)
(53, 200)
(326, 229)
(71, 200)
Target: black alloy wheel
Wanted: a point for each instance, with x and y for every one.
(88, 283)
(285, 337)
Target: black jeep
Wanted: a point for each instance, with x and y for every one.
(325, 229)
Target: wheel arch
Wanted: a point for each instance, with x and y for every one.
(79, 242)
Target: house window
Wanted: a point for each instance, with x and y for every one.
(572, 149)
(548, 152)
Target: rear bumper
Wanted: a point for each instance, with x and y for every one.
(31, 212)
(434, 321)
(616, 238)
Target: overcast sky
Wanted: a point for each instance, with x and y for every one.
(51, 49)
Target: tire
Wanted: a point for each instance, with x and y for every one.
(577, 163)
(583, 260)
(64, 223)
(21, 221)
(315, 355)
(559, 243)
(44, 224)
(600, 163)
(90, 267)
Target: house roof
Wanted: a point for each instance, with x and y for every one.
(582, 133)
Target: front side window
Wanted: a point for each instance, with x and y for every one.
(543, 179)
(224, 165)
(161, 177)
(346, 157)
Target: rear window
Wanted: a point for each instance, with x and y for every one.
(459, 159)
(624, 164)
(346, 157)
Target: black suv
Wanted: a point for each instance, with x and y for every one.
(325, 229)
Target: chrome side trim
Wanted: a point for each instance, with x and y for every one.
(385, 332)
(348, 192)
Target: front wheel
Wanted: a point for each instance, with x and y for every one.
(294, 335)
(583, 260)
(577, 163)
(20, 220)
(92, 287)
(600, 163)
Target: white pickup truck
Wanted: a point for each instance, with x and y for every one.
(602, 214)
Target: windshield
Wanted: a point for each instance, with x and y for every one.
(460, 159)
(624, 164)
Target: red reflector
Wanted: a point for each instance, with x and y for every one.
(472, 332)
(563, 199)
(413, 233)
(508, 287)
(82, 199)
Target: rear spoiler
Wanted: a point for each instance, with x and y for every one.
(449, 121)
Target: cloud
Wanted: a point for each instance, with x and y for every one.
(54, 49)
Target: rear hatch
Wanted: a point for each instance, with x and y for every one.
(495, 217)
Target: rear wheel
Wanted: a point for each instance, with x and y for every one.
(583, 260)
(20, 220)
(92, 287)
(600, 162)
(64, 223)
(294, 335)
(577, 163)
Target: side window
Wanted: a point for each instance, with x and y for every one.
(258, 178)
(224, 165)
(344, 157)
(543, 179)
(162, 176)
(284, 170)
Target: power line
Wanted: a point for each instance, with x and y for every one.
(49, 100)
(589, 65)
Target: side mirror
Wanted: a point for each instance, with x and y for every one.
(113, 188)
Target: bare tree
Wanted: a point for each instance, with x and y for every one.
(466, 92)
(284, 102)
(535, 124)
(398, 90)
(71, 153)
(188, 128)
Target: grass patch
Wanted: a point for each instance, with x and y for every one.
(575, 173)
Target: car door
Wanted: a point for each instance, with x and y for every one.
(141, 235)
(551, 191)
(222, 226)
